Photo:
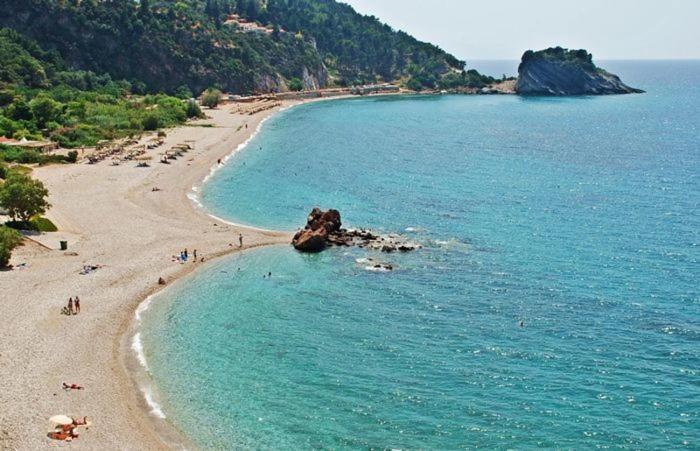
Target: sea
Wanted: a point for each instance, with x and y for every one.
(555, 302)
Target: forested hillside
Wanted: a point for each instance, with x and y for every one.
(164, 45)
(41, 97)
(81, 71)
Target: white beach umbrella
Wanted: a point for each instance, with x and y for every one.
(61, 420)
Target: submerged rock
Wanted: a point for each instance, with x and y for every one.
(561, 72)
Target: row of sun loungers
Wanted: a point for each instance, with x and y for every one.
(118, 151)
(258, 108)
(175, 152)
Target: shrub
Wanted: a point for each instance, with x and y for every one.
(151, 122)
(193, 109)
(9, 239)
(81, 135)
(37, 224)
(27, 156)
(211, 98)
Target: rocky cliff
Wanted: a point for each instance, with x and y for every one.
(560, 72)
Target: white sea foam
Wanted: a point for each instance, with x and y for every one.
(143, 306)
(137, 346)
(156, 408)
(376, 269)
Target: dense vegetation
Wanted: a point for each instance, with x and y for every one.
(82, 71)
(41, 97)
(359, 48)
(162, 46)
(566, 56)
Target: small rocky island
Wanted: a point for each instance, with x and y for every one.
(324, 229)
(561, 72)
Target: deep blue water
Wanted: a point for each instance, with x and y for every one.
(577, 217)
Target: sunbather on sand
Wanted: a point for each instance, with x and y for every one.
(58, 435)
(72, 387)
(80, 421)
(65, 432)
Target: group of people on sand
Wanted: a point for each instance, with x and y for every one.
(185, 256)
(73, 307)
(68, 432)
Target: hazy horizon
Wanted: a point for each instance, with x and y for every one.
(623, 30)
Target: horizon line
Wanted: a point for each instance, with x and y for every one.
(597, 59)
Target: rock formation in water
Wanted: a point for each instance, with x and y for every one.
(324, 229)
(319, 227)
(561, 72)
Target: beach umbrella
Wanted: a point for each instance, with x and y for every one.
(61, 420)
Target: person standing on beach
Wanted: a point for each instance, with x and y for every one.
(77, 305)
(195, 256)
(240, 240)
(70, 306)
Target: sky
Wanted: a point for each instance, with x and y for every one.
(504, 29)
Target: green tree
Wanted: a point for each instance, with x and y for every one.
(414, 84)
(9, 239)
(8, 127)
(23, 197)
(44, 109)
(184, 93)
(6, 97)
(145, 9)
(19, 110)
(211, 98)
(295, 84)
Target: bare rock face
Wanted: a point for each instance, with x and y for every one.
(324, 229)
(560, 72)
(319, 226)
(311, 241)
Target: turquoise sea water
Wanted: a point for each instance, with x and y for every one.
(577, 216)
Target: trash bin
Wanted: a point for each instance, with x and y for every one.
(64, 245)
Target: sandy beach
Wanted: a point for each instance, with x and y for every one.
(110, 217)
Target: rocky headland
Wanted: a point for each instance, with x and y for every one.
(561, 72)
(324, 229)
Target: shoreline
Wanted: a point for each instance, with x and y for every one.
(136, 364)
(131, 346)
(131, 234)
